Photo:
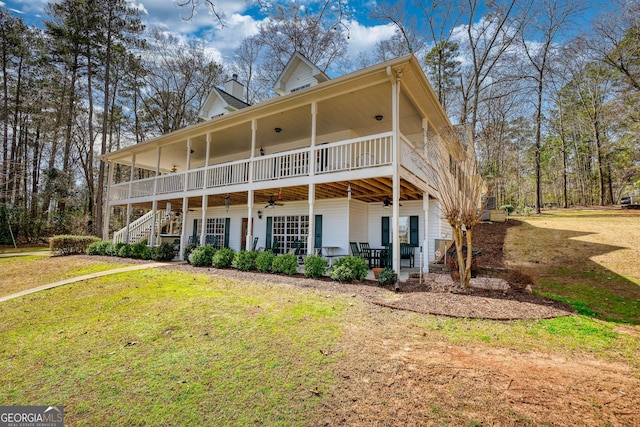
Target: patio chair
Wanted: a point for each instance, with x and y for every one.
(255, 243)
(274, 246)
(176, 247)
(367, 253)
(355, 250)
(210, 240)
(407, 252)
(194, 240)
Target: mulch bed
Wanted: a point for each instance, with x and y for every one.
(437, 295)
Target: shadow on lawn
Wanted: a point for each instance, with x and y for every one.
(563, 269)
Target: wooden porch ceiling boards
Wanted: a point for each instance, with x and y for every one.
(370, 190)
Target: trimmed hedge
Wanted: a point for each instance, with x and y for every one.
(223, 258)
(245, 260)
(286, 264)
(315, 266)
(201, 256)
(71, 245)
(349, 268)
(264, 261)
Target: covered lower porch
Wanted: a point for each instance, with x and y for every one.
(319, 218)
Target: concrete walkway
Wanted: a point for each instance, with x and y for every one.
(81, 278)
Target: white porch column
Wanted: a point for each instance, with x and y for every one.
(131, 174)
(203, 228)
(312, 187)
(206, 161)
(107, 213)
(154, 211)
(183, 233)
(425, 241)
(312, 220)
(249, 239)
(250, 193)
(395, 238)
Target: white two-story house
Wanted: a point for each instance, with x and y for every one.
(325, 163)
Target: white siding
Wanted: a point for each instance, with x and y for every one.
(301, 76)
(358, 222)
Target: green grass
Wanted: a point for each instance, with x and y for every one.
(585, 258)
(25, 272)
(169, 348)
(566, 334)
(11, 249)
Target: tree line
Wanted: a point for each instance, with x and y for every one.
(550, 94)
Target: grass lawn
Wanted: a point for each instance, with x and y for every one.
(588, 258)
(168, 348)
(25, 272)
(5, 249)
(164, 347)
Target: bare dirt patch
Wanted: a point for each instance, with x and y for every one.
(401, 375)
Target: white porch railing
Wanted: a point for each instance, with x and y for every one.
(228, 174)
(353, 154)
(140, 229)
(276, 166)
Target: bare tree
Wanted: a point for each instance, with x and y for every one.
(460, 190)
(407, 38)
(177, 81)
(551, 18)
(487, 41)
(289, 30)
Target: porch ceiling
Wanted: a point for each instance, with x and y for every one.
(366, 190)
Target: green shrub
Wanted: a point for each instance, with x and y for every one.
(125, 251)
(187, 251)
(349, 268)
(201, 256)
(148, 252)
(94, 248)
(223, 258)
(264, 260)
(69, 245)
(387, 277)
(164, 252)
(315, 266)
(138, 248)
(285, 263)
(113, 249)
(508, 208)
(245, 260)
(104, 246)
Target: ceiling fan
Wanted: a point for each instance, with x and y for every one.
(272, 203)
(387, 203)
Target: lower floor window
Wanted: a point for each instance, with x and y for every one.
(214, 231)
(291, 228)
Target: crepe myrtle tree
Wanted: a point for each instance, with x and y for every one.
(460, 189)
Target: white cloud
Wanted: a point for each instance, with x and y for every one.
(364, 39)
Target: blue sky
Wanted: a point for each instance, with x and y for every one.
(241, 18)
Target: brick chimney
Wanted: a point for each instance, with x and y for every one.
(234, 87)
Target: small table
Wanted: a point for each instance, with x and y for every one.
(377, 257)
(329, 252)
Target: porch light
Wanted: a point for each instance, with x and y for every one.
(261, 151)
(379, 117)
(259, 214)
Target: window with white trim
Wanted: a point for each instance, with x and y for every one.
(215, 227)
(289, 228)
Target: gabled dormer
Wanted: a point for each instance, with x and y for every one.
(220, 102)
(298, 74)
